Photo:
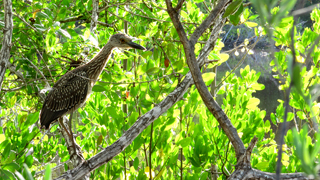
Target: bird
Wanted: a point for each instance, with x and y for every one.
(72, 90)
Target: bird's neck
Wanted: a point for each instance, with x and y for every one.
(97, 64)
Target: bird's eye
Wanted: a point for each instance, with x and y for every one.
(122, 40)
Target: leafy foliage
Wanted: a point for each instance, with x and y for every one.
(51, 37)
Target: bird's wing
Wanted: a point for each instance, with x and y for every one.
(68, 93)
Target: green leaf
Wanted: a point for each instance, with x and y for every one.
(251, 24)
(11, 167)
(4, 174)
(184, 142)
(223, 57)
(40, 27)
(235, 18)
(28, 173)
(136, 163)
(42, 15)
(133, 117)
(4, 144)
(6, 152)
(98, 88)
(253, 103)
(12, 156)
(262, 165)
(208, 77)
(146, 54)
(193, 162)
(290, 116)
(112, 112)
(31, 119)
(153, 70)
(178, 65)
(29, 161)
(47, 174)
(64, 33)
(257, 86)
(233, 7)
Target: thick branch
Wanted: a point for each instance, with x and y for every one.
(212, 105)
(256, 174)
(7, 37)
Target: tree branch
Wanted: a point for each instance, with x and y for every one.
(211, 104)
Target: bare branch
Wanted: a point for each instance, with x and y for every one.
(106, 24)
(12, 68)
(16, 14)
(13, 89)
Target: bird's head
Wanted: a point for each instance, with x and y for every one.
(123, 41)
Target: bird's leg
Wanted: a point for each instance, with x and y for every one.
(69, 137)
(70, 127)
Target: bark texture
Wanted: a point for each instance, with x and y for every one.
(7, 37)
(94, 17)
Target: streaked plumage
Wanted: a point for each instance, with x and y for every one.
(73, 88)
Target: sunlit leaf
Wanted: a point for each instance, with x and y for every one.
(64, 33)
(251, 24)
(253, 103)
(208, 77)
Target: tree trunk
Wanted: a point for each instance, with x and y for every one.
(7, 37)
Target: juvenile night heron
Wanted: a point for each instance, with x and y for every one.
(73, 88)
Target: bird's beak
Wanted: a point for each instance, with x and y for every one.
(135, 45)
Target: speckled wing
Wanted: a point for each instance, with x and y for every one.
(68, 93)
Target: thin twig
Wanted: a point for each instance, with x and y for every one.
(38, 70)
(16, 14)
(166, 56)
